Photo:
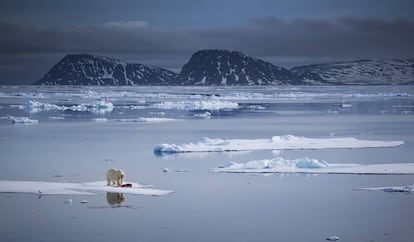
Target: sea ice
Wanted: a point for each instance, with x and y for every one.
(56, 188)
(275, 143)
(333, 238)
(205, 115)
(208, 104)
(100, 119)
(98, 106)
(56, 118)
(402, 189)
(23, 120)
(34, 106)
(314, 166)
(145, 120)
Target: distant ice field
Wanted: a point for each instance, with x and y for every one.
(193, 102)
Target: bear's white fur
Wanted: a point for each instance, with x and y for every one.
(115, 177)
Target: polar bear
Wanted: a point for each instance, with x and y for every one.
(115, 176)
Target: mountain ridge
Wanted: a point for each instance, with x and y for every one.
(86, 69)
(226, 68)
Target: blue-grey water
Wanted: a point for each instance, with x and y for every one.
(79, 146)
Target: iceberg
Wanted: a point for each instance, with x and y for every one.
(285, 142)
(89, 188)
(314, 166)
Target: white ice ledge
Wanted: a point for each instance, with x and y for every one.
(314, 166)
(275, 143)
(90, 188)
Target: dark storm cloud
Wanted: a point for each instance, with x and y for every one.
(343, 37)
(269, 37)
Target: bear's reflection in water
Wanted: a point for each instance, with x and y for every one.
(114, 198)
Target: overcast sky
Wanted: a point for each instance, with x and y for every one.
(37, 34)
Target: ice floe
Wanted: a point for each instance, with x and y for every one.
(332, 238)
(204, 104)
(205, 115)
(100, 119)
(275, 143)
(90, 188)
(56, 118)
(402, 189)
(23, 120)
(98, 106)
(136, 120)
(145, 120)
(35, 106)
(314, 166)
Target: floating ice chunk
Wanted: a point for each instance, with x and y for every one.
(333, 238)
(145, 120)
(166, 170)
(23, 120)
(99, 106)
(56, 188)
(34, 106)
(202, 115)
(56, 118)
(402, 189)
(256, 107)
(84, 201)
(277, 162)
(208, 104)
(284, 142)
(310, 163)
(100, 119)
(314, 166)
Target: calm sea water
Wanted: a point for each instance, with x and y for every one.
(79, 146)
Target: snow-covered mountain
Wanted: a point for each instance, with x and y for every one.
(226, 68)
(362, 72)
(86, 69)
(223, 67)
